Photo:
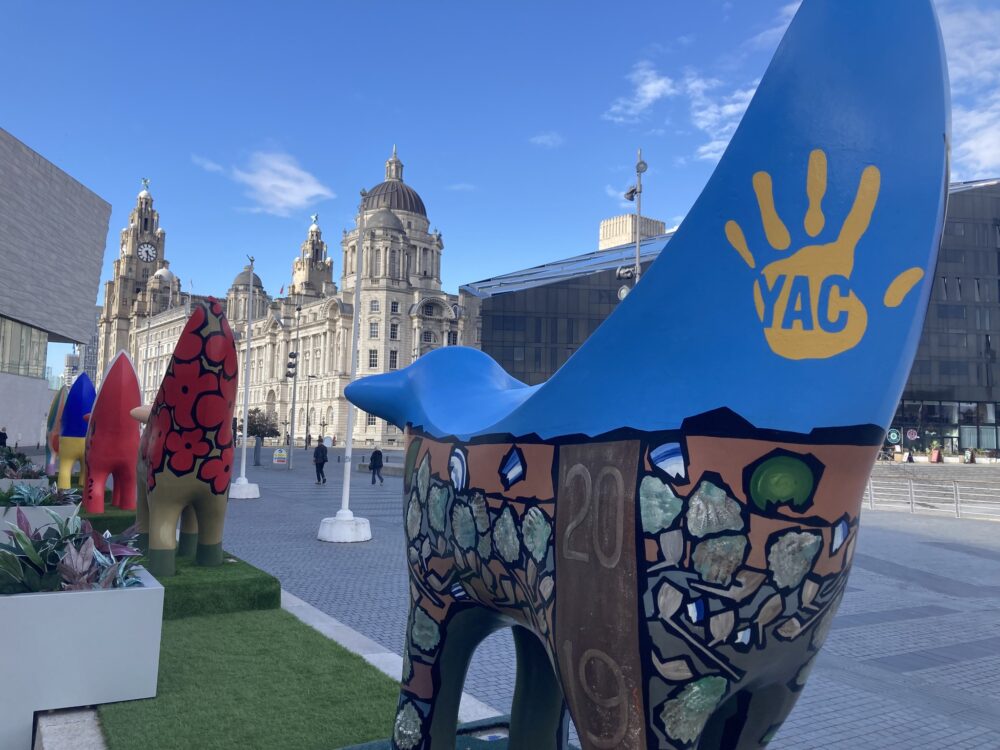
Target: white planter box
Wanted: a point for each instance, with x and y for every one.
(6, 484)
(37, 516)
(114, 654)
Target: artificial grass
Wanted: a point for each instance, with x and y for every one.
(234, 586)
(253, 680)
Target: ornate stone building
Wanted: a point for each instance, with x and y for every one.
(404, 312)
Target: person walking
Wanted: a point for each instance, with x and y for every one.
(3, 437)
(375, 464)
(320, 459)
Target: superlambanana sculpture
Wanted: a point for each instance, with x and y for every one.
(113, 438)
(73, 430)
(186, 449)
(668, 523)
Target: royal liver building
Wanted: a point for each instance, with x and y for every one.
(404, 312)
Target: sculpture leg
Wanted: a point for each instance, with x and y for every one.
(141, 509)
(93, 493)
(124, 492)
(210, 510)
(427, 716)
(749, 719)
(164, 512)
(187, 545)
(538, 716)
(70, 451)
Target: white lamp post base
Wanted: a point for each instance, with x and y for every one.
(344, 527)
(241, 489)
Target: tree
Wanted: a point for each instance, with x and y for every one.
(261, 424)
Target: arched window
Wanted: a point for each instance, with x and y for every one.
(394, 264)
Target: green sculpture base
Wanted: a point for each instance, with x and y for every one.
(187, 544)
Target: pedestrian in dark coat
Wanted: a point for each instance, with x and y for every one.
(320, 458)
(375, 465)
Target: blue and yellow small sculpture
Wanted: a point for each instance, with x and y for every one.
(668, 523)
(73, 430)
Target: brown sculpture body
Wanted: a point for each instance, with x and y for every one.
(186, 449)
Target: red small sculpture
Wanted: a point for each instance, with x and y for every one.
(113, 438)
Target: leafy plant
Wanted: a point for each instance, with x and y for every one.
(26, 495)
(67, 555)
(262, 424)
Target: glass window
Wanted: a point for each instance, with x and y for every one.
(369, 420)
(956, 312)
(953, 368)
(452, 338)
(987, 413)
(428, 310)
(393, 359)
(394, 331)
(394, 306)
(988, 438)
(968, 437)
(372, 358)
(967, 413)
(373, 306)
(911, 411)
(949, 412)
(373, 329)
(428, 337)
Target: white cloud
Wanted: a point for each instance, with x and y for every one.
(972, 44)
(549, 139)
(278, 185)
(207, 164)
(715, 114)
(462, 187)
(768, 39)
(648, 87)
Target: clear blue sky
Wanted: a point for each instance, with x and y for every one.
(517, 122)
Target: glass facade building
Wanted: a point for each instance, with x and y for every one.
(22, 349)
(533, 320)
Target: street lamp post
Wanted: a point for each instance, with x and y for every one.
(634, 193)
(241, 488)
(308, 394)
(295, 386)
(344, 527)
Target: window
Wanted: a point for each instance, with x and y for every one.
(373, 329)
(373, 306)
(428, 311)
(393, 359)
(978, 292)
(428, 337)
(452, 338)
(394, 306)
(370, 420)
(372, 359)
(954, 228)
(394, 331)
(958, 289)
(393, 264)
(951, 311)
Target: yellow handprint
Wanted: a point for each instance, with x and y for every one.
(805, 301)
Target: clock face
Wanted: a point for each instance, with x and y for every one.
(147, 252)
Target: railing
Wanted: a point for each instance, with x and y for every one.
(960, 498)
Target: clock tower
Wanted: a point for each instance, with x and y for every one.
(127, 295)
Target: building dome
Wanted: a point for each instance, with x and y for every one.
(383, 219)
(243, 279)
(397, 195)
(165, 275)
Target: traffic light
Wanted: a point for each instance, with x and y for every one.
(292, 357)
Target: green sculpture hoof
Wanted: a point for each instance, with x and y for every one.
(161, 562)
(209, 554)
(187, 546)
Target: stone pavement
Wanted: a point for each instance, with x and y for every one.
(913, 660)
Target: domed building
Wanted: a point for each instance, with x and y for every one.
(404, 313)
